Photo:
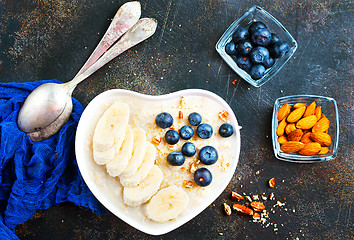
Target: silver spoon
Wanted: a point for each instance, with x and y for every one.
(33, 115)
(56, 105)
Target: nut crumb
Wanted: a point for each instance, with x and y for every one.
(182, 102)
(234, 82)
(238, 197)
(272, 182)
(248, 198)
(187, 184)
(223, 115)
(255, 197)
(180, 115)
(156, 140)
(193, 167)
(227, 209)
(271, 196)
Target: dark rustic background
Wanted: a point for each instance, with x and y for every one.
(45, 39)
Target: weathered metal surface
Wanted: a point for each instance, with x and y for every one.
(52, 39)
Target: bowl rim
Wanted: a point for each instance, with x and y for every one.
(220, 49)
(301, 158)
(80, 156)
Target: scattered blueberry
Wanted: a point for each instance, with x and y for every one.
(202, 177)
(226, 130)
(230, 48)
(275, 38)
(259, 54)
(279, 49)
(240, 34)
(164, 120)
(171, 137)
(257, 71)
(186, 132)
(243, 63)
(175, 158)
(255, 26)
(208, 155)
(261, 37)
(204, 131)
(194, 119)
(244, 47)
(269, 62)
(188, 149)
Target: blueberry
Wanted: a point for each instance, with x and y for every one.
(259, 54)
(188, 149)
(240, 34)
(257, 71)
(175, 158)
(171, 137)
(226, 130)
(243, 63)
(202, 177)
(186, 132)
(230, 48)
(164, 120)
(275, 38)
(204, 131)
(244, 47)
(269, 62)
(261, 37)
(255, 26)
(194, 119)
(208, 155)
(279, 49)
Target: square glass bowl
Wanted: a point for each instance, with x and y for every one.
(257, 14)
(329, 109)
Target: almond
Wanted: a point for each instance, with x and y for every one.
(306, 138)
(281, 127)
(289, 128)
(283, 111)
(310, 149)
(295, 135)
(256, 216)
(323, 150)
(318, 112)
(310, 110)
(291, 147)
(282, 139)
(295, 115)
(322, 138)
(242, 209)
(257, 206)
(297, 105)
(321, 126)
(307, 122)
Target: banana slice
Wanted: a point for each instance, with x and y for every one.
(121, 159)
(139, 148)
(111, 126)
(103, 157)
(134, 196)
(143, 170)
(167, 204)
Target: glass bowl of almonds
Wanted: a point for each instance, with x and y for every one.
(305, 128)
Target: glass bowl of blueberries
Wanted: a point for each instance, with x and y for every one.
(256, 46)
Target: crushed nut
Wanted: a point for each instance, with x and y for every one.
(172, 127)
(180, 115)
(242, 209)
(272, 182)
(255, 197)
(271, 196)
(156, 140)
(187, 184)
(157, 161)
(249, 198)
(256, 216)
(227, 209)
(257, 206)
(223, 115)
(182, 102)
(193, 167)
(280, 204)
(238, 197)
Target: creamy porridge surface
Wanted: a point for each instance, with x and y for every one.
(142, 114)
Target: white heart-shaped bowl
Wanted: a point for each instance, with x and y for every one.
(108, 190)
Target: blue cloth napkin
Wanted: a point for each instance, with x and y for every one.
(36, 175)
